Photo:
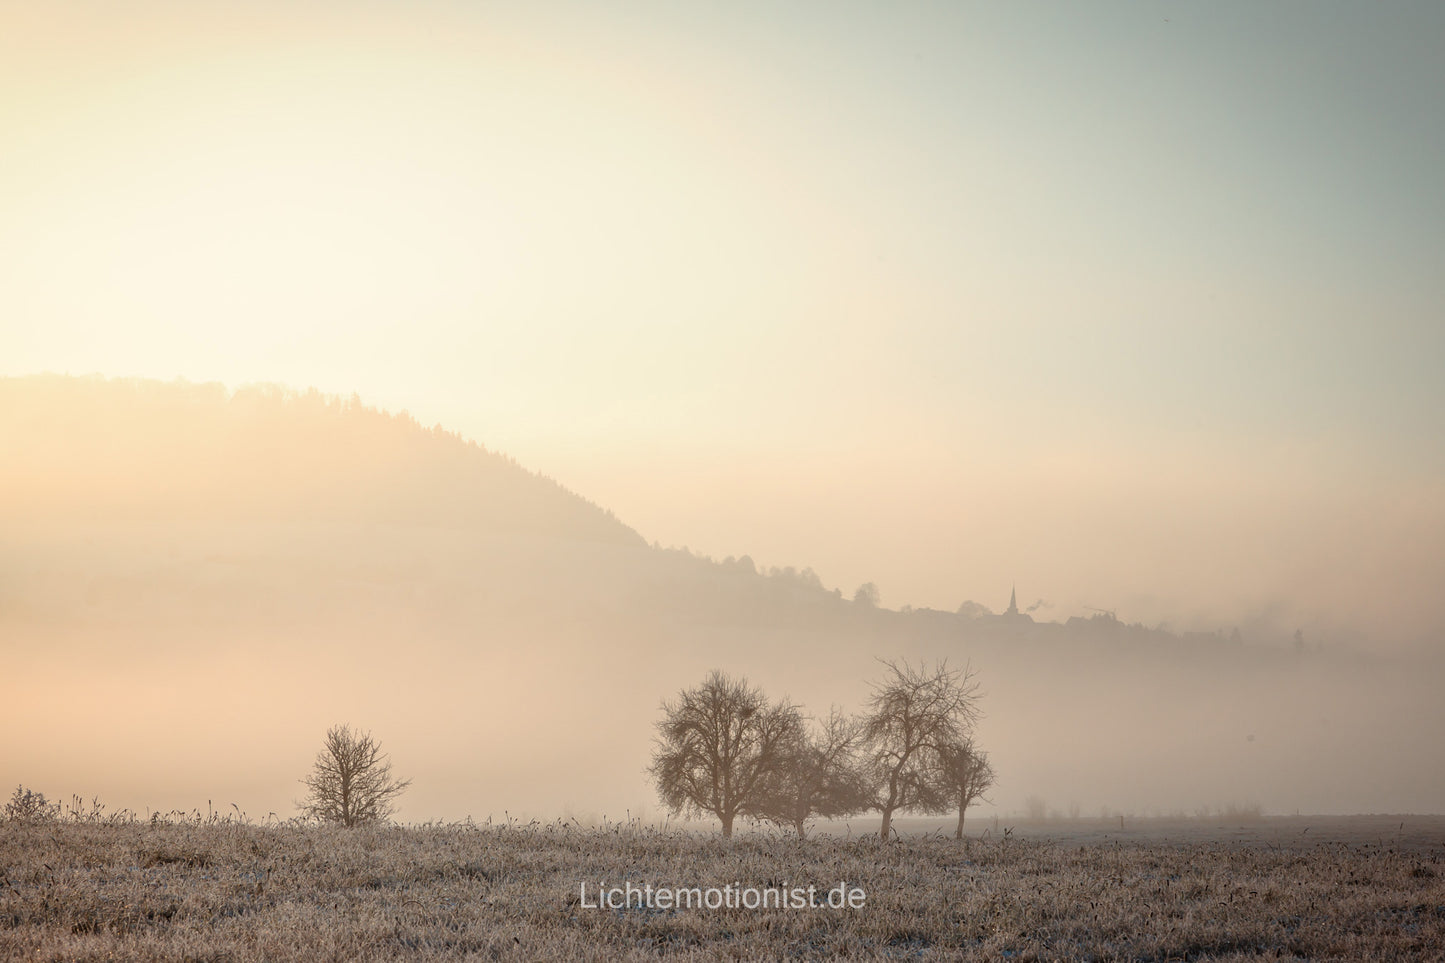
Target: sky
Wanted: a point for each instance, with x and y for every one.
(1134, 305)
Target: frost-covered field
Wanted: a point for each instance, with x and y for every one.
(1421, 834)
(228, 890)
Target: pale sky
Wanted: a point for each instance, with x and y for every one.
(1136, 304)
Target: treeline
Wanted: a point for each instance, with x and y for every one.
(726, 751)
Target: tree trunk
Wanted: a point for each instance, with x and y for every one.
(727, 821)
(890, 803)
(800, 828)
(958, 833)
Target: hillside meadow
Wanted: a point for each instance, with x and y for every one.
(211, 888)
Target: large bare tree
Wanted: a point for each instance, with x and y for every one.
(915, 714)
(719, 745)
(351, 782)
(968, 774)
(822, 779)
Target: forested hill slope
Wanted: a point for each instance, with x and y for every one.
(148, 451)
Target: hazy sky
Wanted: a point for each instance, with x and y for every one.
(1138, 304)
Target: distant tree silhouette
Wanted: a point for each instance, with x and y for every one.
(744, 564)
(967, 774)
(719, 746)
(351, 781)
(867, 594)
(821, 779)
(916, 716)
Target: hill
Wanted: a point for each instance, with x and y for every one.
(153, 451)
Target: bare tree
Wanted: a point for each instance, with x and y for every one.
(719, 745)
(915, 714)
(821, 779)
(351, 781)
(968, 774)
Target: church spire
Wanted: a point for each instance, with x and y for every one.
(1013, 601)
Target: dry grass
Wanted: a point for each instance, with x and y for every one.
(199, 889)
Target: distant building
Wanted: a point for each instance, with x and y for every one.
(1012, 613)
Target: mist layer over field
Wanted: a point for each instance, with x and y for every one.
(195, 584)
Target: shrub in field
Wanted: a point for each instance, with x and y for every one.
(28, 806)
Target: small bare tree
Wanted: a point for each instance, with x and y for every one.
(718, 747)
(351, 781)
(915, 714)
(968, 774)
(821, 779)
